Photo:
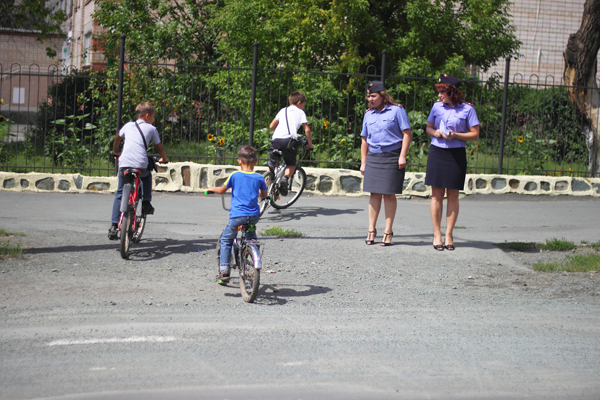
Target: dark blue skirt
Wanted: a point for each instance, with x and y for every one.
(446, 168)
(382, 174)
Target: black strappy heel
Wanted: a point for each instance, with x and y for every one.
(372, 240)
(385, 235)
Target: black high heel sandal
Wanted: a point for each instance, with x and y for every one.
(385, 235)
(370, 240)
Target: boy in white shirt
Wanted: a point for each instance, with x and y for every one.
(285, 126)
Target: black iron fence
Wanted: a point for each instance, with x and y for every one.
(205, 113)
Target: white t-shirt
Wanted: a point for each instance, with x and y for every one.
(134, 153)
(295, 117)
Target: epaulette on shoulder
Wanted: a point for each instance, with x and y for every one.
(466, 102)
(398, 105)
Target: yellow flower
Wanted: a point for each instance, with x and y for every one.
(326, 124)
(1, 101)
(520, 139)
(343, 142)
(570, 170)
(221, 142)
(211, 137)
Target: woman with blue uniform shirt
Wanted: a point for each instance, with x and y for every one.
(451, 122)
(385, 137)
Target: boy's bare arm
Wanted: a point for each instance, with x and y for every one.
(308, 134)
(218, 189)
(274, 124)
(116, 144)
(163, 153)
(263, 194)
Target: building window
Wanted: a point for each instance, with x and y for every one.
(87, 43)
(18, 95)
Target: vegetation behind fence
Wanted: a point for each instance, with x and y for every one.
(204, 115)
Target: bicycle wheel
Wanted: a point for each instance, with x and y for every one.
(264, 203)
(126, 233)
(249, 275)
(295, 188)
(140, 224)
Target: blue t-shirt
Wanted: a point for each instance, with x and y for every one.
(457, 119)
(383, 129)
(244, 193)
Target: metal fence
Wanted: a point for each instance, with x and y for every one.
(205, 113)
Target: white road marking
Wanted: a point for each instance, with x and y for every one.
(133, 339)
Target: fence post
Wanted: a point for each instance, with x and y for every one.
(253, 96)
(120, 92)
(383, 54)
(503, 122)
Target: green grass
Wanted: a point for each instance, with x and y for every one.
(518, 246)
(556, 245)
(8, 249)
(279, 232)
(576, 263)
(595, 246)
(4, 232)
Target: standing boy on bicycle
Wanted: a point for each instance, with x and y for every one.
(246, 186)
(135, 155)
(285, 126)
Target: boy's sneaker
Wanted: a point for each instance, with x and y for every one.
(147, 208)
(283, 186)
(223, 277)
(113, 232)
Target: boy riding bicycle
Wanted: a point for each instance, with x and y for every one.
(285, 126)
(135, 155)
(246, 185)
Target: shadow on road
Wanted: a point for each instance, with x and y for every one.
(294, 214)
(280, 293)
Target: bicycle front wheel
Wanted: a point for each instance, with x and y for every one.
(126, 233)
(269, 180)
(249, 275)
(296, 186)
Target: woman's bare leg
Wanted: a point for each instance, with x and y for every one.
(436, 208)
(452, 208)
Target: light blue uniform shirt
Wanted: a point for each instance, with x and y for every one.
(244, 193)
(457, 119)
(383, 129)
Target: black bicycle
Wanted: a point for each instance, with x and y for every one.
(296, 182)
(246, 257)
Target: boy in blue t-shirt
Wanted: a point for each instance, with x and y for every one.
(246, 186)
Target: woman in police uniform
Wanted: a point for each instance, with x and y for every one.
(451, 122)
(385, 139)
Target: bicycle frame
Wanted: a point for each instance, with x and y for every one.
(130, 197)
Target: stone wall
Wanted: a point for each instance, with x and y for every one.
(191, 177)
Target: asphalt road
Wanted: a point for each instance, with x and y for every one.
(335, 318)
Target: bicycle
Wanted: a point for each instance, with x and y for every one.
(133, 219)
(246, 257)
(296, 182)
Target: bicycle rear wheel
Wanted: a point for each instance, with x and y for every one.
(126, 233)
(140, 224)
(249, 275)
(269, 180)
(296, 186)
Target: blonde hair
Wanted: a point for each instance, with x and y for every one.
(144, 108)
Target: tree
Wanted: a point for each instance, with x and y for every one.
(159, 30)
(581, 66)
(32, 15)
(418, 34)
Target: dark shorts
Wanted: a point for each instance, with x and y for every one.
(289, 156)
(446, 168)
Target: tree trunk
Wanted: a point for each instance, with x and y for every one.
(581, 65)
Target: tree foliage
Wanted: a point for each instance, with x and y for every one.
(32, 15)
(347, 34)
(159, 30)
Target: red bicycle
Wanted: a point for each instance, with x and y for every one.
(133, 219)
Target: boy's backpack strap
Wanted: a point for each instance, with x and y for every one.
(287, 122)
